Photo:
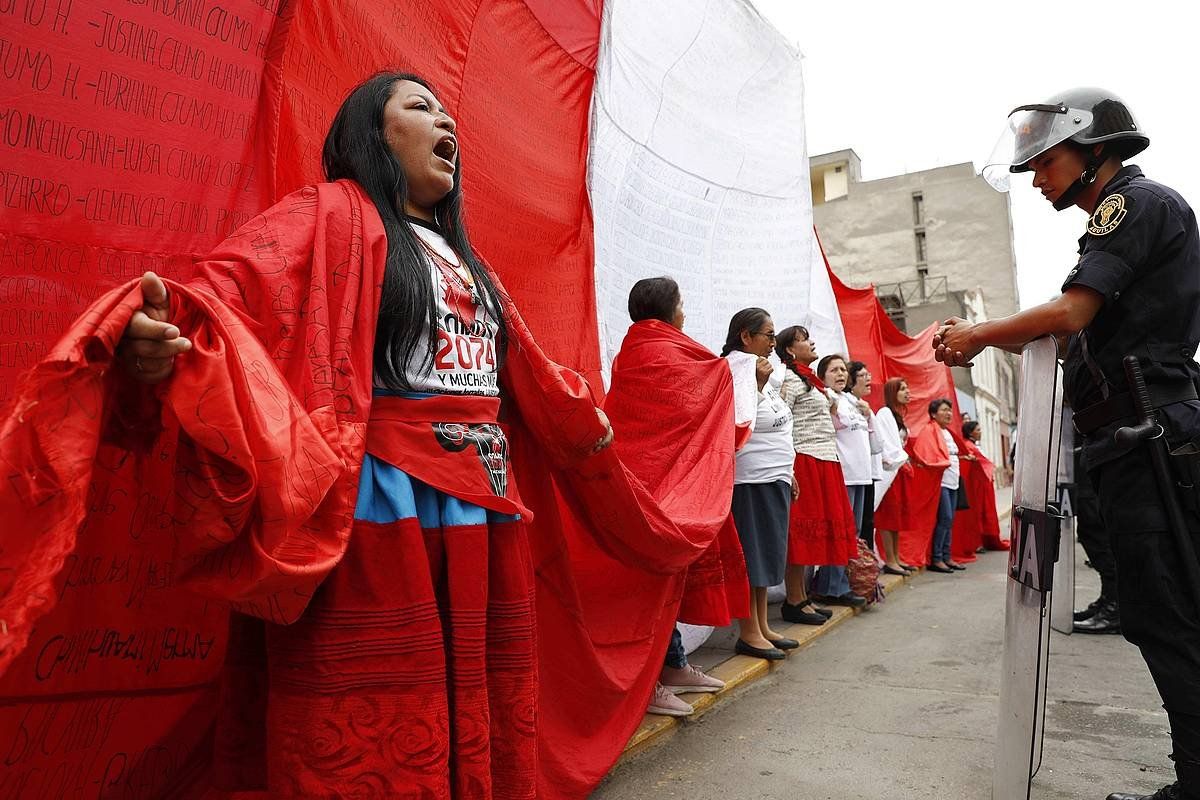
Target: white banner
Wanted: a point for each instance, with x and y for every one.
(698, 170)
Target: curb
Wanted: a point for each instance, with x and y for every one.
(739, 671)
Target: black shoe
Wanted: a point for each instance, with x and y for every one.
(1107, 619)
(936, 568)
(1171, 792)
(797, 614)
(890, 570)
(956, 567)
(784, 644)
(824, 612)
(769, 653)
(847, 599)
(1091, 610)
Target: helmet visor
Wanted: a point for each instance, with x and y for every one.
(1031, 131)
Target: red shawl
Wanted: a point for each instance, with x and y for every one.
(930, 457)
(127, 512)
(671, 406)
(805, 371)
(978, 525)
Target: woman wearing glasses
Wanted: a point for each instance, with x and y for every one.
(763, 489)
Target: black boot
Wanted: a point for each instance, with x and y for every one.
(1107, 619)
(1166, 793)
(1091, 610)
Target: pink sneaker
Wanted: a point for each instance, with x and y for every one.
(689, 679)
(667, 704)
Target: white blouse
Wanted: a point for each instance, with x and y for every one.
(768, 455)
(853, 441)
(950, 476)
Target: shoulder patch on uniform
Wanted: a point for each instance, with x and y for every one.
(1108, 215)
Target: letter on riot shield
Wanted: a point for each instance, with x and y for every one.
(1062, 599)
(1030, 574)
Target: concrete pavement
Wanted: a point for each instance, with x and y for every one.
(900, 703)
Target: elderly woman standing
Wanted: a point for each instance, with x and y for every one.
(657, 353)
(854, 451)
(763, 488)
(822, 528)
(859, 383)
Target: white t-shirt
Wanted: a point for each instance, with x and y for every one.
(464, 360)
(891, 440)
(950, 476)
(853, 441)
(768, 455)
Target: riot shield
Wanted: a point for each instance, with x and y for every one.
(1030, 575)
(1062, 599)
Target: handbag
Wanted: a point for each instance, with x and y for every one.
(863, 574)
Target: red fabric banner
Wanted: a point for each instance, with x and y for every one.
(671, 406)
(137, 138)
(890, 353)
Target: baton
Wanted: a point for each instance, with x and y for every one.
(1150, 431)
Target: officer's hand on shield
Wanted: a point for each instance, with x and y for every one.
(953, 343)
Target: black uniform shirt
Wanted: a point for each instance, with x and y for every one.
(1142, 253)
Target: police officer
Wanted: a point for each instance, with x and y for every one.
(1135, 291)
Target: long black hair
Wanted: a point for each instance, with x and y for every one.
(786, 338)
(749, 320)
(356, 148)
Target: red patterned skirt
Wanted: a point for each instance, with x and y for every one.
(716, 590)
(822, 530)
(413, 671)
(896, 510)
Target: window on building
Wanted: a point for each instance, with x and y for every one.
(837, 170)
(918, 209)
(920, 241)
(894, 307)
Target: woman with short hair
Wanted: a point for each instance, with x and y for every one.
(656, 354)
(852, 427)
(942, 412)
(859, 383)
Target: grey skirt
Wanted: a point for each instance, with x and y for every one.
(760, 512)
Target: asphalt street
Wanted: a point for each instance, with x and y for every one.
(901, 702)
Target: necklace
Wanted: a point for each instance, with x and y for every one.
(466, 281)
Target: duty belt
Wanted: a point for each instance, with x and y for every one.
(1121, 405)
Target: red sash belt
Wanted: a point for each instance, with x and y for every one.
(450, 442)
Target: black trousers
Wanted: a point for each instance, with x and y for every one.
(1157, 611)
(1093, 535)
(866, 527)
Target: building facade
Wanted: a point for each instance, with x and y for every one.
(935, 244)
